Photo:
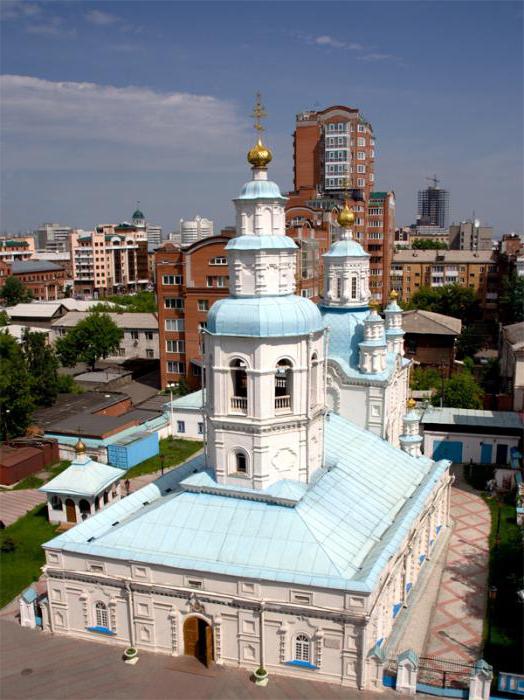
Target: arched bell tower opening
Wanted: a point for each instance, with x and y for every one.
(238, 386)
(283, 386)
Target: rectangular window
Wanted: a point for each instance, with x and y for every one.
(361, 141)
(149, 353)
(173, 303)
(203, 305)
(307, 293)
(181, 426)
(174, 367)
(361, 168)
(361, 182)
(174, 324)
(175, 346)
(134, 335)
(200, 428)
(202, 326)
(149, 335)
(218, 261)
(361, 155)
(194, 583)
(217, 281)
(354, 287)
(172, 279)
(361, 129)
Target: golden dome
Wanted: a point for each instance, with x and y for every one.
(373, 304)
(80, 448)
(393, 294)
(346, 218)
(411, 403)
(259, 156)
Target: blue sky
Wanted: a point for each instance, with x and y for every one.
(106, 103)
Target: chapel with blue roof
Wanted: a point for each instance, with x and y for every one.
(295, 540)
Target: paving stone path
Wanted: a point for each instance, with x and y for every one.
(14, 504)
(456, 626)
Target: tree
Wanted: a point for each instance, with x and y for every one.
(4, 318)
(95, 337)
(14, 292)
(425, 378)
(469, 342)
(42, 365)
(460, 391)
(421, 244)
(450, 299)
(511, 300)
(16, 404)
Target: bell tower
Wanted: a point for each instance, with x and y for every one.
(264, 349)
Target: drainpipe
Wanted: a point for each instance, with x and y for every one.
(127, 586)
(262, 635)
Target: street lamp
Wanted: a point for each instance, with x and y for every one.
(492, 596)
(171, 386)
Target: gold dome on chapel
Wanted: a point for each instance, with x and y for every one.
(346, 218)
(393, 294)
(411, 403)
(259, 156)
(80, 447)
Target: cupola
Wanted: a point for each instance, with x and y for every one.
(411, 439)
(394, 330)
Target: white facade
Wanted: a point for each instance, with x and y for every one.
(471, 444)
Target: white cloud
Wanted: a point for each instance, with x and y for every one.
(101, 18)
(362, 52)
(85, 126)
(326, 40)
(51, 26)
(18, 9)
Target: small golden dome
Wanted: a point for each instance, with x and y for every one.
(393, 294)
(346, 218)
(373, 304)
(80, 448)
(411, 403)
(259, 156)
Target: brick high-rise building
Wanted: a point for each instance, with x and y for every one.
(334, 159)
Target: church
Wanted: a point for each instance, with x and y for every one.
(296, 539)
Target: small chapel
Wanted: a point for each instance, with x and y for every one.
(296, 540)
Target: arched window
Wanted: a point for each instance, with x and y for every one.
(102, 618)
(283, 386)
(84, 507)
(302, 648)
(314, 380)
(238, 385)
(56, 503)
(241, 462)
(106, 497)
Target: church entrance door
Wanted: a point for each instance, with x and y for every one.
(198, 640)
(70, 511)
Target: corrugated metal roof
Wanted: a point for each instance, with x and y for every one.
(340, 534)
(473, 417)
(124, 320)
(193, 401)
(419, 321)
(83, 479)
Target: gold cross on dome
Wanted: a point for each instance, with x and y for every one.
(258, 113)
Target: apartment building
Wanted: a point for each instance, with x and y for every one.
(470, 235)
(16, 248)
(334, 159)
(54, 237)
(45, 280)
(413, 269)
(109, 260)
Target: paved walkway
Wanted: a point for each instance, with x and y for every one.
(38, 665)
(14, 504)
(457, 622)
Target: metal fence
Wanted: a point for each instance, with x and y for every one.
(443, 677)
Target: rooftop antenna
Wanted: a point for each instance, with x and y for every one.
(434, 180)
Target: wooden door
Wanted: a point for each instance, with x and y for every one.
(191, 636)
(209, 645)
(70, 511)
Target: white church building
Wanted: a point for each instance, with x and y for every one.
(297, 538)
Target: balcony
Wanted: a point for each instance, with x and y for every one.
(239, 404)
(397, 273)
(282, 404)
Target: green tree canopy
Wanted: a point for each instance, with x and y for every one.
(461, 391)
(142, 302)
(422, 244)
(4, 318)
(95, 337)
(16, 403)
(450, 299)
(425, 378)
(42, 365)
(511, 302)
(469, 342)
(14, 292)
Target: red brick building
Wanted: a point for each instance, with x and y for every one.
(45, 280)
(334, 158)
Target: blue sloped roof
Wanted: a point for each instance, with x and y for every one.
(346, 248)
(261, 189)
(193, 400)
(252, 242)
(83, 479)
(340, 534)
(262, 317)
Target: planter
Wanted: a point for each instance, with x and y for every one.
(131, 656)
(261, 677)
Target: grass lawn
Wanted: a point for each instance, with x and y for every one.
(172, 452)
(33, 482)
(505, 650)
(20, 567)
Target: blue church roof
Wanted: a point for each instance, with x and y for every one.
(261, 189)
(340, 534)
(262, 317)
(344, 248)
(252, 242)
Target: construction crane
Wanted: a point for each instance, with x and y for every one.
(434, 180)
